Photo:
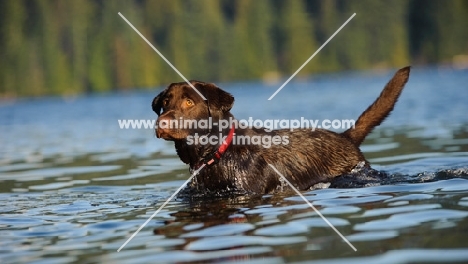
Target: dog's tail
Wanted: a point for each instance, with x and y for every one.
(380, 109)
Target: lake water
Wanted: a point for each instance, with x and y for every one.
(74, 187)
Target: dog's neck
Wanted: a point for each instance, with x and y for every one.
(193, 153)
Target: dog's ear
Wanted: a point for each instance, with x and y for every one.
(217, 98)
(157, 102)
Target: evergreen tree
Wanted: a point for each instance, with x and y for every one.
(297, 38)
(328, 23)
(12, 48)
(55, 61)
(371, 39)
(71, 47)
(438, 30)
(253, 49)
(100, 64)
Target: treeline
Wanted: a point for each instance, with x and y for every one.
(72, 47)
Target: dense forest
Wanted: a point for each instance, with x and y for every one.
(72, 47)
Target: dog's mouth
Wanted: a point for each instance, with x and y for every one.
(170, 134)
(172, 126)
(166, 132)
(160, 133)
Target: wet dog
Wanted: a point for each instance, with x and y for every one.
(303, 156)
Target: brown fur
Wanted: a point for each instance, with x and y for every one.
(309, 158)
(380, 109)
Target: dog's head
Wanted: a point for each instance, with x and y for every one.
(180, 102)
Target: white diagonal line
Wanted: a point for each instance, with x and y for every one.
(313, 207)
(161, 207)
(162, 56)
(311, 57)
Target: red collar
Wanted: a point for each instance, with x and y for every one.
(214, 157)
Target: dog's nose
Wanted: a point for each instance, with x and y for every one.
(163, 125)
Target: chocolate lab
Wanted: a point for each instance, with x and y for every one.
(303, 156)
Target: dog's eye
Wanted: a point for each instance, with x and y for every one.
(189, 102)
(165, 102)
